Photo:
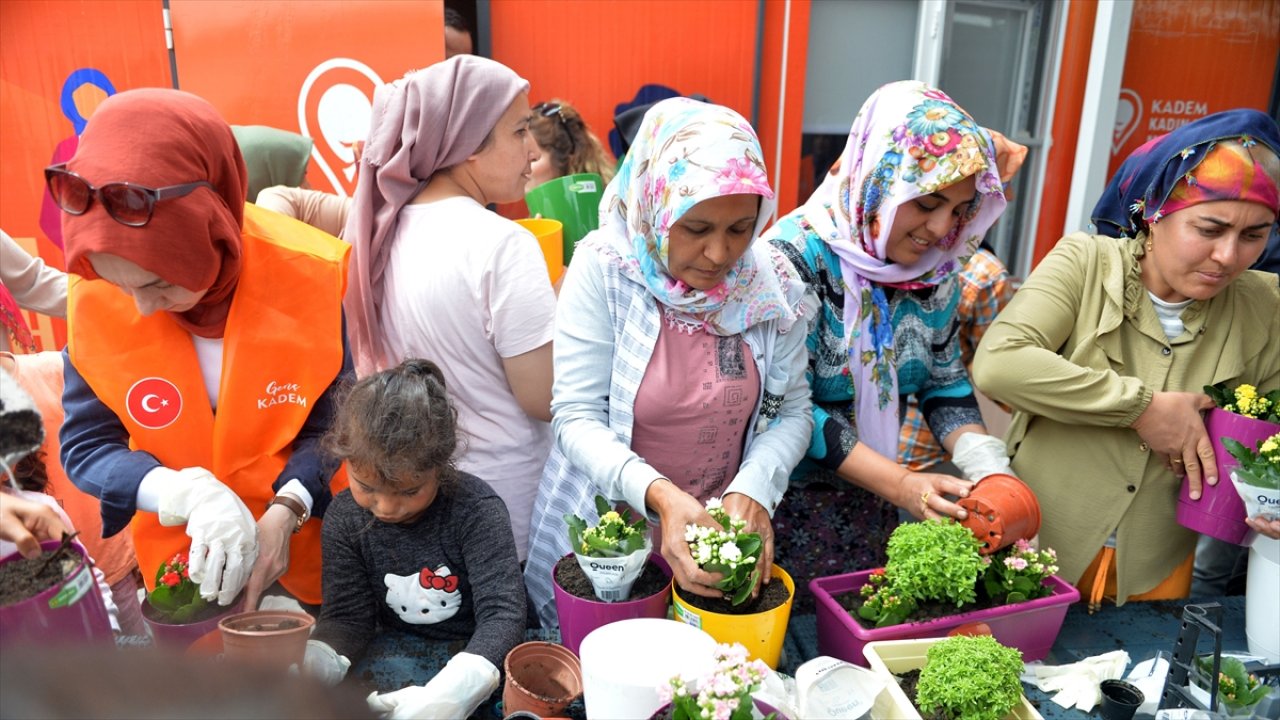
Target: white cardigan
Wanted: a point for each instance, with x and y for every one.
(606, 329)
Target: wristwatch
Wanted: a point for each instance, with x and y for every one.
(295, 505)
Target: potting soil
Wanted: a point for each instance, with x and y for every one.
(569, 576)
(771, 596)
(925, 610)
(25, 578)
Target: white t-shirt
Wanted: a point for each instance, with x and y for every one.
(466, 288)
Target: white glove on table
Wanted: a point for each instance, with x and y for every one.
(224, 535)
(324, 663)
(1077, 684)
(455, 692)
(979, 455)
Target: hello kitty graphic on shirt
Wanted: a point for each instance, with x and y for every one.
(426, 598)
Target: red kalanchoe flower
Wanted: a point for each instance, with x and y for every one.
(170, 578)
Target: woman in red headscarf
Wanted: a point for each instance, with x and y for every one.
(205, 341)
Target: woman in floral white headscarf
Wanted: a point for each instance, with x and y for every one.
(881, 243)
(676, 377)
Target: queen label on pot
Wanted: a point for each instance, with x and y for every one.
(623, 542)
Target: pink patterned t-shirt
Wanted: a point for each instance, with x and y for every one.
(694, 406)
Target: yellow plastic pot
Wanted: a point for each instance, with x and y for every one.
(760, 633)
(550, 234)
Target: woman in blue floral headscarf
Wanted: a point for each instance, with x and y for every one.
(880, 243)
(1105, 351)
(676, 377)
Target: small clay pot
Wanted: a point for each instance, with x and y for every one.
(1002, 510)
(271, 638)
(1120, 699)
(541, 678)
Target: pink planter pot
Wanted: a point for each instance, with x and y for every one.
(579, 616)
(72, 611)
(180, 636)
(1030, 626)
(1220, 512)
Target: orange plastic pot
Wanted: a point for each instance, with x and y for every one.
(541, 678)
(1002, 510)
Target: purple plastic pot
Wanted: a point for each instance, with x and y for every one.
(579, 616)
(70, 611)
(1220, 512)
(1029, 626)
(180, 636)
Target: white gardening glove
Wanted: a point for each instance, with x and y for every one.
(224, 535)
(979, 455)
(324, 663)
(455, 692)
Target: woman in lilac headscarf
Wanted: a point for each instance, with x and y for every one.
(435, 275)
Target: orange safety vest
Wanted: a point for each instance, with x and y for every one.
(282, 348)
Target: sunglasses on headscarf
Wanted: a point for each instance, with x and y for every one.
(549, 109)
(126, 203)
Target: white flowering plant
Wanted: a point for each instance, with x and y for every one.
(728, 551)
(1017, 573)
(723, 694)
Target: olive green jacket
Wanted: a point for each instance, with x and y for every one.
(1078, 354)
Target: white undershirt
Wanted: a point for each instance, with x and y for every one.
(1170, 315)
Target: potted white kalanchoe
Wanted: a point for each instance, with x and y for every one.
(727, 550)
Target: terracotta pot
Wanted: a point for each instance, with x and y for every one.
(541, 678)
(179, 636)
(1002, 510)
(579, 616)
(1220, 512)
(272, 638)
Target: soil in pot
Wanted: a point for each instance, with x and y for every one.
(571, 579)
(773, 595)
(25, 578)
(925, 610)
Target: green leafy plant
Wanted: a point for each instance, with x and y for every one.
(970, 678)
(1238, 689)
(176, 599)
(616, 535)
(1017, 573)
(723, 694)
(1245, 400)
(1259, 469)
(934, 560)
(728, 551)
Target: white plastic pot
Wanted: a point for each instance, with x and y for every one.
(623, 663)
(1262, 602)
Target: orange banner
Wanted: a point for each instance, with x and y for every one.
(58, 61)
(309, 68)
(1190, 58)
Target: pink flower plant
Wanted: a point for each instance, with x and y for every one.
(723, 694)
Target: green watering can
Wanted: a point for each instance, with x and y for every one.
(574, 200)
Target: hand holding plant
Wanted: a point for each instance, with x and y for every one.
(729, 551)
(724, 694)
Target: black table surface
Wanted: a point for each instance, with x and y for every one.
(395, 660)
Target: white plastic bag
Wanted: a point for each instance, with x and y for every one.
(1258, 500)
(613, 577)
